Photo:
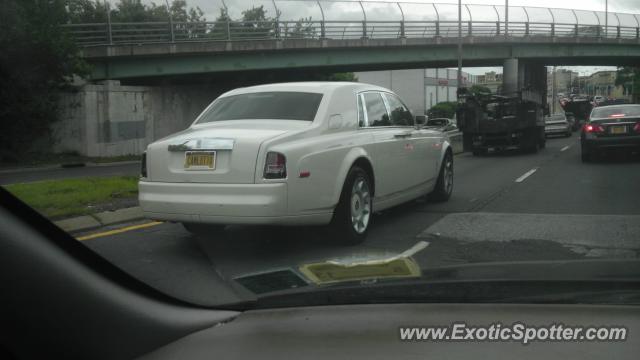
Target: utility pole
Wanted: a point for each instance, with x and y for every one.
(633, 92)
(171, 33)
(506, 17)
(459, 44)
(553, 89)
(606, 18)
(570, 83)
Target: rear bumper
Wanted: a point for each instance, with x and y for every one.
(557, 130)
(497, 140)
(612, 143)
(222, 204)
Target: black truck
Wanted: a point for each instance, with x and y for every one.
(580, 107)
(496, 122)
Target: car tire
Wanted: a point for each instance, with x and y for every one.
(352, 216)
(203, 229)
(444, 185)
(568, 134)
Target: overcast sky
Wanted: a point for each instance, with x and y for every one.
(447, 9)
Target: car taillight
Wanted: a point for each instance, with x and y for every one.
(593, 128)
(636, 127)
(276, 166)
(143, 165)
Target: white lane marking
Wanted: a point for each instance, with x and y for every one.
(526, 175)
(565, 148)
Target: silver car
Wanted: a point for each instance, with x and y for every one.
(557, 124)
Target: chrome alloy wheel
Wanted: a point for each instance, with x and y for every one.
(448, 175)
(360, 205)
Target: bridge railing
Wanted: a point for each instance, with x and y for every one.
(175, 32)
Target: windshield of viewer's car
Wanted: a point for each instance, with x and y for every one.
(264, 105)
(224, 150)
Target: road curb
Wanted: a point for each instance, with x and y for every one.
(94, 221)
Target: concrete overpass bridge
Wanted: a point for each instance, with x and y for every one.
(165, 73)
(356, 36)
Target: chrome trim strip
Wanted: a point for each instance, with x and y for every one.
(202, 144)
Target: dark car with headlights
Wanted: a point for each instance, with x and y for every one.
(611, 127)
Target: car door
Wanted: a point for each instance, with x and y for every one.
(391, 148)
(421, 148)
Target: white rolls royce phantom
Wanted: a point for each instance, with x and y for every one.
(307, 153)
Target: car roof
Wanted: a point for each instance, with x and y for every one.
(323, 87)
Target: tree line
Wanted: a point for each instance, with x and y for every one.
(94, 11)
(254, 22)
(39, 58)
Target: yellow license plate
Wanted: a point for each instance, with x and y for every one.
(618, 129)
(200, 160)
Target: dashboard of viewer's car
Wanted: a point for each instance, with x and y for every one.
(372, 332)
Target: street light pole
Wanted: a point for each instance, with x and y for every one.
(171, 34)
(459, 44)
(553, 89)
(506, 17)
(606, 18)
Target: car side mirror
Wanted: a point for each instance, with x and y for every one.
(421, 120)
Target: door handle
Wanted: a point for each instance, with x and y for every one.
(403, 135)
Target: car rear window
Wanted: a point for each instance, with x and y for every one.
(612, 111)
(280, 105)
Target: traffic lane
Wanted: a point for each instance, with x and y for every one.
(569, 186)
(178, 263)
(566, 209)
(167, 258)
(480, 179)
(612, 236)
(30, 175)
(241, 250)
(246, 250)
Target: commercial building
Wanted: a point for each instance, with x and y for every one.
(565, 82)
(492, 80)
(419, 88)
(603, 83)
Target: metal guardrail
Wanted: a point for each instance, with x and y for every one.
(174, 32)
(368, 19)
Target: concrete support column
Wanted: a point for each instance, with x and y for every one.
(510, 76)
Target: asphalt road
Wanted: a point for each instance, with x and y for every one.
(505, 207)
(54, 173)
